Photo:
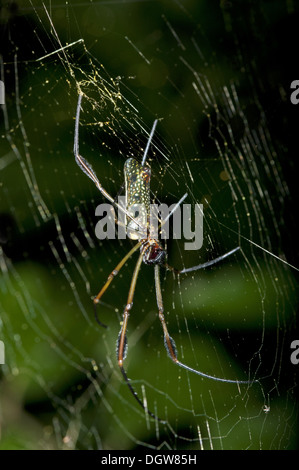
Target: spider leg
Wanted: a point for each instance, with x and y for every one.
(87, 168)
(170, 344)
(83, 164)
(203, 265)
(121, 345)
(149, 142)
(110, 278)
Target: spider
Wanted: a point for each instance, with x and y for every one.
(137, 179)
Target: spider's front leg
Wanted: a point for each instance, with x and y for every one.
(110, 278)
(168, 340)
(170, 344)
(121, 344)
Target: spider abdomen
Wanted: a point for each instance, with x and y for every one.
(137, 179)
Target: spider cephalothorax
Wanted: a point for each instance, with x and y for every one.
(152, 252)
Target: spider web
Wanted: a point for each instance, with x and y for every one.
(210, 75)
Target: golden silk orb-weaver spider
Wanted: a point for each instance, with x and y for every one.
(137, 179)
